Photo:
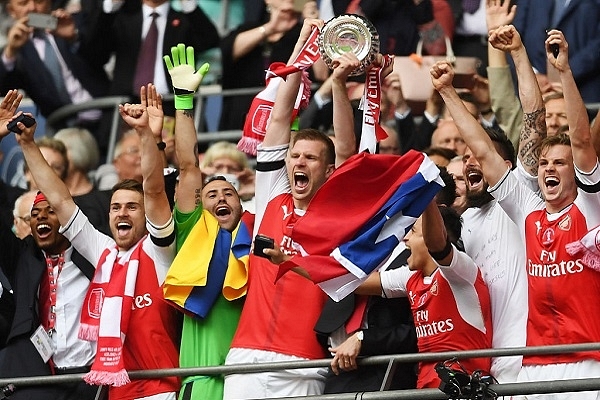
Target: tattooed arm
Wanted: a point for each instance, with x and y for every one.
(507, 38)
(189, 189)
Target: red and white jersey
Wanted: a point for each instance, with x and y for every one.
(451, 311)
(278, 317)
(563, 293)
(150, 340)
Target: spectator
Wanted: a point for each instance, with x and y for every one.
(121, 30)
(580, 22)
(207, 217)
(397, 22)
(446, 135)
(55, 154)
(287, 185)
(131, 312)
(126, 163)
(250, 49)
(556, 115)
(22, 214)
(45, 65)
(30, 264)
(83, 155)
(561, 160)
(390, 144)
(436, 265)
(470, 38)
(441, 156)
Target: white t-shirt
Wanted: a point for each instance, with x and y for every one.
(496, 245)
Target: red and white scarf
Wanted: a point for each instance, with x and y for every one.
(370, 103)
(106, 312)
(259, 113)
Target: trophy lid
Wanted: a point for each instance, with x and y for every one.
(349, 32)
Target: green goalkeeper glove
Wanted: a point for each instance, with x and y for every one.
(184, 75)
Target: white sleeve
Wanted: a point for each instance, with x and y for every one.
(271, 178)
(516, 199)
(461, 269)
(86, 239)
(393, 282)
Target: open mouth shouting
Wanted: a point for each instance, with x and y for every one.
(43, 230)
(222, 211)
(300, 181)
(551, 183)
(474, 179)
(123, 228)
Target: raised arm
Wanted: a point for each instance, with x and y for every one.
(186, 80)
(278, 131)
(434, 233)
(144, 118)
(504, 102)
(533, 130)
(48, 182)
(472, 132)
(584, 155)
(343, 117)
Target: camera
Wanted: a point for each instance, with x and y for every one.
(458, 384)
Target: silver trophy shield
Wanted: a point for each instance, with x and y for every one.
(346, 33)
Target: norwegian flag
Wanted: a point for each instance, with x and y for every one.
(370, 203)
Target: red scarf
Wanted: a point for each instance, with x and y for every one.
(259, 113)
(372, 132)
(106, 312)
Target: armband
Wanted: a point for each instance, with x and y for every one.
(440, 255)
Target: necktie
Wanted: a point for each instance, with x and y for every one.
(53, 66)
(144, 72)
(470, 6)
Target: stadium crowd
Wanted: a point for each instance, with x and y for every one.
(348, 222)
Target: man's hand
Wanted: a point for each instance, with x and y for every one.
(442, 75)
(498, 13)
(506, 38)
(276, 256)
(18, 35)
(27, 134)
(65, 28)
(343, 66)
(8, 107)
(561, 63)
(153, 103)
(344, 355)
(186, 79)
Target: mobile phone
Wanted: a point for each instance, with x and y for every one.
(262, 242)
(42, 21)
(25, 119)
(554, 49)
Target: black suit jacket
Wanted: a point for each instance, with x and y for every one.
(31, 75)
(24, 265)
(120, 33)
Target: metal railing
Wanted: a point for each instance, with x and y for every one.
(556, 386)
